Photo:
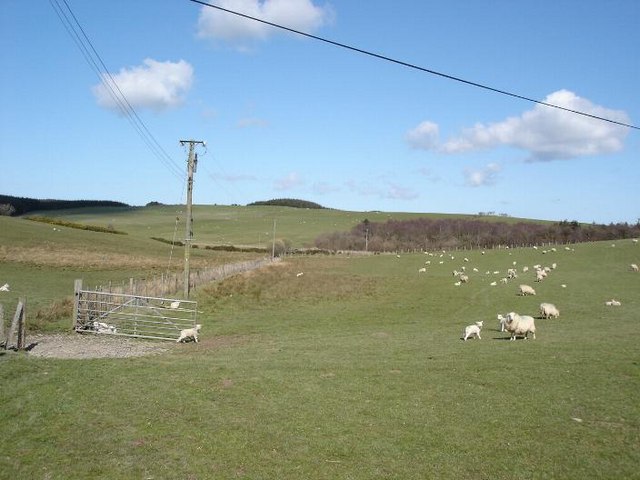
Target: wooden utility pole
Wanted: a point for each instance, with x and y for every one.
(192, 163)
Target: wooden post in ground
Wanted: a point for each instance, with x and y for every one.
(76, 302)
(3, 337)
(16, 330)
(22, 323)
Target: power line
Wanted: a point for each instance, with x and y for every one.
(416, 67)
(93, 58)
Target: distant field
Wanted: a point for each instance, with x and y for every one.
(236, 225)
(335, 366)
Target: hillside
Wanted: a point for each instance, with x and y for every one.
(13, 206)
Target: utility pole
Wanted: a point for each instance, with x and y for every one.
(192, 163)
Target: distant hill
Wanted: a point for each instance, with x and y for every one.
(14, 206)
(288, 202)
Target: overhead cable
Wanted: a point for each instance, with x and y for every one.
(95, 62)
(415, 67)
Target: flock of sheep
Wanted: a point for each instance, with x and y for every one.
(515, 324)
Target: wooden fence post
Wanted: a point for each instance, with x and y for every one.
(17, 326)
(3, 337)
(76, 302)
(22, 324)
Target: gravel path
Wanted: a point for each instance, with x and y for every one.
(75, 345)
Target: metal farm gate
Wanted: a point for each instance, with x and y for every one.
(132, 315)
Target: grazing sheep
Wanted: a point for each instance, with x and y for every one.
(634, 267)
(175, 304)
(526, 290)
(511, 273)
(4, 288)
(612, 303)
(422, 270)
(520, 325)
(464, 278)
(548, 310)
(472, 330)
(493, 284)
(189, 333)
(540, 276)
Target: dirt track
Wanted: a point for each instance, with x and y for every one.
(82, 346)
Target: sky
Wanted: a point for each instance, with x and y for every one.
(288, 116)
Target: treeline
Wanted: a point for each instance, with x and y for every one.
(287, 202)
(436, 234)
(14, 206)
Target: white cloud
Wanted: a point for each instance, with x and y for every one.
(547, 133)
(300, 15)
(388, 191)
(289, 182)
(323, 188)
(398, 192)
(425, 136)
(154, 85)
(483, 177)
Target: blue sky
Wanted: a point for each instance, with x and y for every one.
(286, 116)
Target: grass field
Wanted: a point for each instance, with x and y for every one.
(353, 370)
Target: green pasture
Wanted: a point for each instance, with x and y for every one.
(235, 225)
(352, 370)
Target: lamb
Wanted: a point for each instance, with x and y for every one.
(520, 325)
(101, 327)
(526, 290)
(472, 330)
(502, 322)
(189, 333)
(548, 310)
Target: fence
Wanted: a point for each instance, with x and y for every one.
(16, 330)
(131, 315)
(169, 284)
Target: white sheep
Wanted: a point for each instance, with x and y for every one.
(612, 303)
(634, 267)
(189, 333)
(548, 310)
(464, 278)
(101, 327)
(520, 325)
(540, 275)
(4, 288)
(472, 330)
(526, 290)
(502, 322)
